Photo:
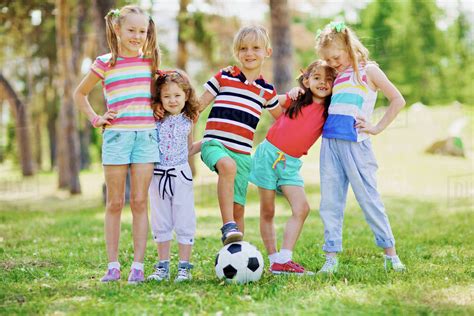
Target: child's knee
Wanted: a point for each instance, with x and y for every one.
(115, 205)
(267, 213)
(302, 211)
(226, 167)
(138, 204)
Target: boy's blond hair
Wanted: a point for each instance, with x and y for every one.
(258, 32)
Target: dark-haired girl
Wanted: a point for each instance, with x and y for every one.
(276, 163)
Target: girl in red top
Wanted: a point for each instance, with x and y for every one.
(276, 163)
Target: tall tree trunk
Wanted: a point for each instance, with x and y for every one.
(68, 145)
(77, 53)
(183, 56)
(22, 127)
(101, 8)
(282, 45)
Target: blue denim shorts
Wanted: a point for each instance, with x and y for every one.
(272, 168)
(126, 147)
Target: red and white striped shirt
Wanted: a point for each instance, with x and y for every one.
(237, 108)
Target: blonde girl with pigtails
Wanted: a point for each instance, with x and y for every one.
(129, 137)
(346, 150)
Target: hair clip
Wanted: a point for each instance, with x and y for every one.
(318, 33)
(115, 13)
(337, 26)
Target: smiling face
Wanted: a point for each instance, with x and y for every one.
(336, 57)
(132, 33)
(173, 98)
(252, 52)
(319, 83)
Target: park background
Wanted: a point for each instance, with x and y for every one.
(52, 251)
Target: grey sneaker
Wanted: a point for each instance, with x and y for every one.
(330, 266)
(393, 263)
(161, 273)
(184, 272)
(231, 233)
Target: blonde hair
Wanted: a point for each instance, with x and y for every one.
(150, 49)
(343, 37)
(192, 105)
(258, 33)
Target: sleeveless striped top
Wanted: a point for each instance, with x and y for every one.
(349, 99)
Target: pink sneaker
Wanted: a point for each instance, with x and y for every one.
(136, 276)
(111, 275)
(289, 267)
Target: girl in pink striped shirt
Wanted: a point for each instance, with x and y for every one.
(129, 138)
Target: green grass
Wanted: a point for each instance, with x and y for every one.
(51, 264)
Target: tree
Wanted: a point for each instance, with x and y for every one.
(68, 145)
(22, 126)
(282, 45)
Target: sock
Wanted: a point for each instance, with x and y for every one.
(137, 266)
(164, 261)
(233, 222)
(183, 262)
(394, 259)
(114, 265)
(284, 256)
(273, 258)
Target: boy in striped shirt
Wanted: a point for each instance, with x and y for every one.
(239, 97)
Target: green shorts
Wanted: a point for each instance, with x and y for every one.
(272, 168)
(212, 151)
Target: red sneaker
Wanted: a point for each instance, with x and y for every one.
(289, 267)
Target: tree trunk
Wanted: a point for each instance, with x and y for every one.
(68, 144)
(282, 45)
(183, 56)
(101, 9)
(22, 127)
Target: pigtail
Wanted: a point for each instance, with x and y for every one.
(112, 40)
(151, 48)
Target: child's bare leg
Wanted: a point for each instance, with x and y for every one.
(239, 211)
(185, 252)
(163, 249)
(115, 178)
(390, 251)
(227, 170)
(267, 213)
(300, 210)
(141, 175)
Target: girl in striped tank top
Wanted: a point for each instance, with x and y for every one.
(346, 152)
(129, 138)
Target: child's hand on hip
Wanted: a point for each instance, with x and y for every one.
(365, 126)
(105, 119)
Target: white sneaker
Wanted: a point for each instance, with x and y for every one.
(162, 272)
(184, 272)
(393, 263)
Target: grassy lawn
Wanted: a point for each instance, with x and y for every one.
(52, 250)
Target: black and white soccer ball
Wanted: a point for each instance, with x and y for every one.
(239, 262)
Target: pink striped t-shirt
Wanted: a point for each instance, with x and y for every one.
(127, 90)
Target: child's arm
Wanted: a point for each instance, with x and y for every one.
(205, 99)
(380, 81)
(193, 148)
(80, 99)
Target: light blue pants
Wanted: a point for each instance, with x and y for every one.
(343, 162)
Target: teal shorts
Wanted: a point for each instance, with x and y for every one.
(272, 168)
(212, 151)
(126, 147)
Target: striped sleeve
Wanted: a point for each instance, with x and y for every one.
(99, 67)
(273, 102)
(213, 85)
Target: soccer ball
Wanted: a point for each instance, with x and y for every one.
(239, 262)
